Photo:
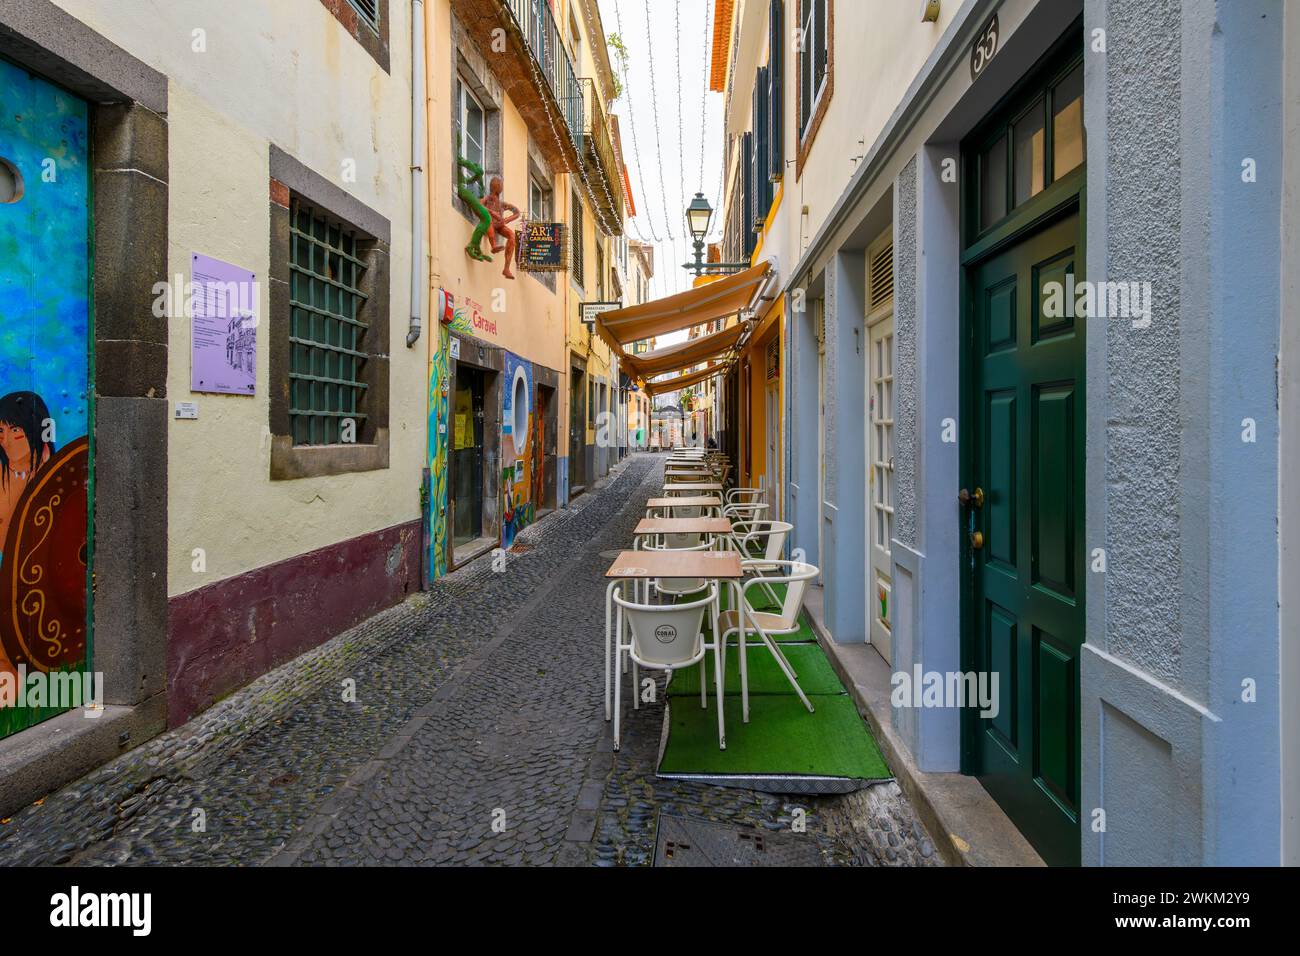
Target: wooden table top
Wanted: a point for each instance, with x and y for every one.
(683, 526)
(676, 564)
(703, 501)
(694, 486)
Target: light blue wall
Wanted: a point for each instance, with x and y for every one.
(1184, 770)
(802, 414)
(844, 506)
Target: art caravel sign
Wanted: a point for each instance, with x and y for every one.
(543, 247)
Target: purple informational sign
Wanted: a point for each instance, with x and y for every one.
(223, 327)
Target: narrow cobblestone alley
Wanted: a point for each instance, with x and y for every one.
(479, 700)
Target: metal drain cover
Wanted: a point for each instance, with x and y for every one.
(686, 842)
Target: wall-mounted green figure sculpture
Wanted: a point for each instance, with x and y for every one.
(475, 201)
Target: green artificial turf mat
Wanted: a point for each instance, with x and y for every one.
(781, 738)
(765, 676)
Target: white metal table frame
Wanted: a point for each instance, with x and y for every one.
(611, 664)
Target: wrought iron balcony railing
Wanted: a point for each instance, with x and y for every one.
(599, 155)
(537, 23)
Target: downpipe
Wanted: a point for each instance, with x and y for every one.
(418, 147)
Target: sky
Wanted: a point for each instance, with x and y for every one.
(671, 127)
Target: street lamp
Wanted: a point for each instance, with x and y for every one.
(699, 214)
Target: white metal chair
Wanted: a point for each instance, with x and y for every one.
(680, 587)
(795, 575)
(761, 545)
(667, 637)
(744, 510)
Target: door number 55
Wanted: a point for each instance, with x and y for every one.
(985, 45)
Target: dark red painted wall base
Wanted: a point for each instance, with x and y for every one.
(225, 635)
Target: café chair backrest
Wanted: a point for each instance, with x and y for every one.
(667, 635)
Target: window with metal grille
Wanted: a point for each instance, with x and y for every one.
(369, 10)
(326, 329)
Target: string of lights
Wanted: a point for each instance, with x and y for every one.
(665, 278)
(654, 102)
(704, 95)
(636, 150)
(681, 124)
(653, 205)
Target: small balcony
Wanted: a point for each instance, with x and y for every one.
(599, 160)
(535, 72)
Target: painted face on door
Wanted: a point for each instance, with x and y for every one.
(24, 418)
(14, 443)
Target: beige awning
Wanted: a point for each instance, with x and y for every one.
(684, 354)
(681, 381)
(716, 300)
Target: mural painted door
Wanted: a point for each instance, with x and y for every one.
(44, 398)
(1025, 557)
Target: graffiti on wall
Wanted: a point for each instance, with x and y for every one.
(437, 449)
(44, 392)
(518, 506)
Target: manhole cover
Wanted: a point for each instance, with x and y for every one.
(685, 842)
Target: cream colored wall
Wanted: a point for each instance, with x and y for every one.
(530, 322)
(581, 341)
(880, 47)
(285, 73)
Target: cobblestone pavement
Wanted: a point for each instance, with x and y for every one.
(478, 703)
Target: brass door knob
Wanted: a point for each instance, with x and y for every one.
(977, 540)
(967, 499)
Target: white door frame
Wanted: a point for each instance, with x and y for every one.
(819, 327)
(879, 422)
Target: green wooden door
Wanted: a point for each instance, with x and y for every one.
(1025, 615)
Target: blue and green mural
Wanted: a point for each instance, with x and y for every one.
(45, 357)
(437, 447)
(518, 509)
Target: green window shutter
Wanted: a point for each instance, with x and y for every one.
(776, 89)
